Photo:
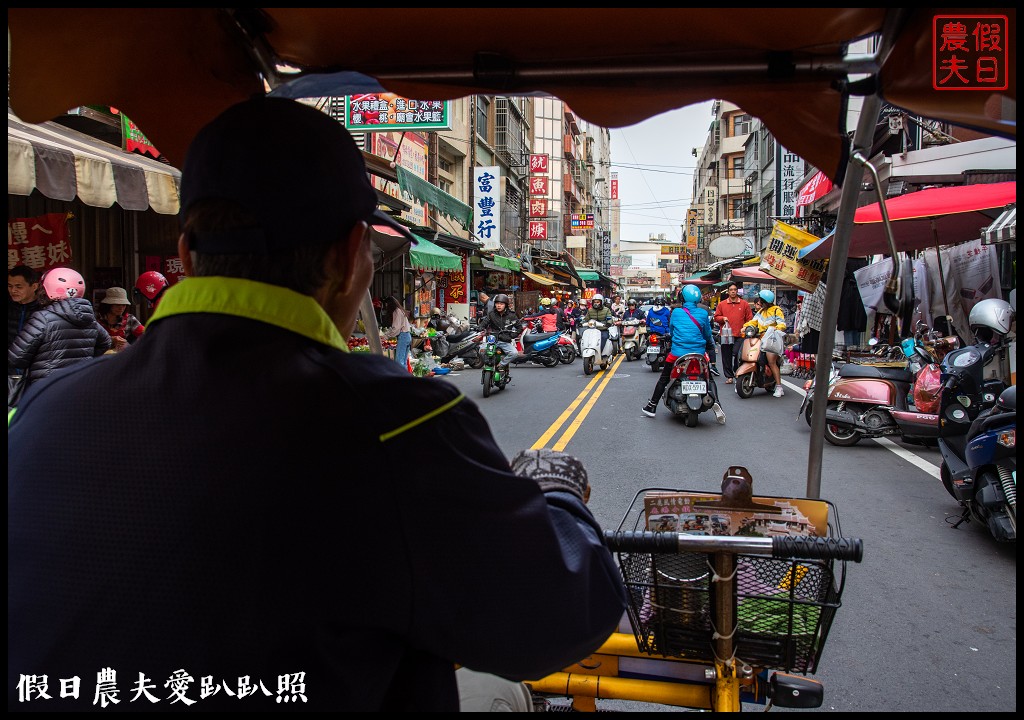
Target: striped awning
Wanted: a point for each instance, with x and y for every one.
(63, 164)
(1004, 229)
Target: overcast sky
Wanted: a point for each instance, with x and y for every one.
(655, 163)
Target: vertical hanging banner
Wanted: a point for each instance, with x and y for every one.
(615, 186)
(710, 205)
(40, 242)
(487, 206)
(788, 174)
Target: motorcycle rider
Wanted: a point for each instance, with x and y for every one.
(690, 327)
(150, 287)
(658, 316)
(632, 311)
(549, 319)
(503, 322)
(766, 315)
(438, 321)
(599, 312)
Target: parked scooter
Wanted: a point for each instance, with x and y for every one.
(658, 347)
(634, 338)
(978, 444)
(591, 349)
(465, 345)
(688, 391)
(866, 400)
(987, 488)
(536, 347)
(750, 375)
(871, 401)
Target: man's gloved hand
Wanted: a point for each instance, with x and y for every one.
(553, 470)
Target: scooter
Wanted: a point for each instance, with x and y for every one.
(987, 489)
(537, 348)
(590, 347)
(494, 374)
(566, 348)
(974, 379)
(634, 338)
(750, 375)
(658, 347)
(687, 393)
(613, 336)
(465, 345)
(872, 401)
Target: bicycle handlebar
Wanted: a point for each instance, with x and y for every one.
(777, 547)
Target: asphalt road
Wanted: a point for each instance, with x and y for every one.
(928, 620)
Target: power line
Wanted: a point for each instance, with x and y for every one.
(622, 136)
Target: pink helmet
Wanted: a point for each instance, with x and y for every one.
(62, 282)
(151, 286)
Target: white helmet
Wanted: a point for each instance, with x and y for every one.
(990, 316)
(597, 298)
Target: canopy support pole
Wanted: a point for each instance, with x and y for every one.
(942, 274)
(830, 313)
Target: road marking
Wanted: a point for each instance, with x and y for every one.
(888, 444)
(557, 424)
(575, 424)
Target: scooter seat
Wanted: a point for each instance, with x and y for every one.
(537, 337)
(852, 370)
(460, 336)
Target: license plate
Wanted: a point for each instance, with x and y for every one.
(653, 351)
(693, 386)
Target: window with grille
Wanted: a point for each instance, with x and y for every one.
(737, 167)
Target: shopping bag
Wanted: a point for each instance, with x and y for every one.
(773, 341)
(16, 385)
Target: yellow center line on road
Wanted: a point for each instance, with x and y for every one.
(603, 377)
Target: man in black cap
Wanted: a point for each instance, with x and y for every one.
(235, 555)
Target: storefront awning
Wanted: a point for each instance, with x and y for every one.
(63, 164)
(428, 256)
(507, 263)
(588, 275)
(435, 197)
(1004, 229)
(542, 280)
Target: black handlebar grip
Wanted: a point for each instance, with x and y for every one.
(784, 546)
(641, 541)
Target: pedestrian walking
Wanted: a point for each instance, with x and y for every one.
(731, 314)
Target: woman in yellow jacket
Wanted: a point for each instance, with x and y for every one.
(768, 315)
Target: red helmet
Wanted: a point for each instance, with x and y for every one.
(62, 282)
(151, 286)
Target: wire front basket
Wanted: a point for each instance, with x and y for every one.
(783, 608)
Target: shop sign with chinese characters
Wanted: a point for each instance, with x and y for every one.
(780, 259)
(538, 230)
(970, 52)
(487, 206)
(789, 173)
(378, 112)
(40, 242)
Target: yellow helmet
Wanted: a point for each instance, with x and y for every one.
(545, 301)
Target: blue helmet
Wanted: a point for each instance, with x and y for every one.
(767, 295)
(691, 293)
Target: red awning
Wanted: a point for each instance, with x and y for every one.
(752, 273)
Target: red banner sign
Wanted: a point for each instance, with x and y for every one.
(169, 266)
(40, 242)
(539, 164)
(539, 186)
(815, 188)
(538, 230)
(538, 207)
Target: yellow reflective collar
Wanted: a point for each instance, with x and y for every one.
(270, 304)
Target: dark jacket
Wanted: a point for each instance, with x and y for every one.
(504, 325)
(17, 317)
(217, 545)
(57, 335)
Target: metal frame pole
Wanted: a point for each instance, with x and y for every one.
(830, 314)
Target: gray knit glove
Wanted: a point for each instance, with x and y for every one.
(553, 470)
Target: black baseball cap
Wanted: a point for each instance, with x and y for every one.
(294, 169)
